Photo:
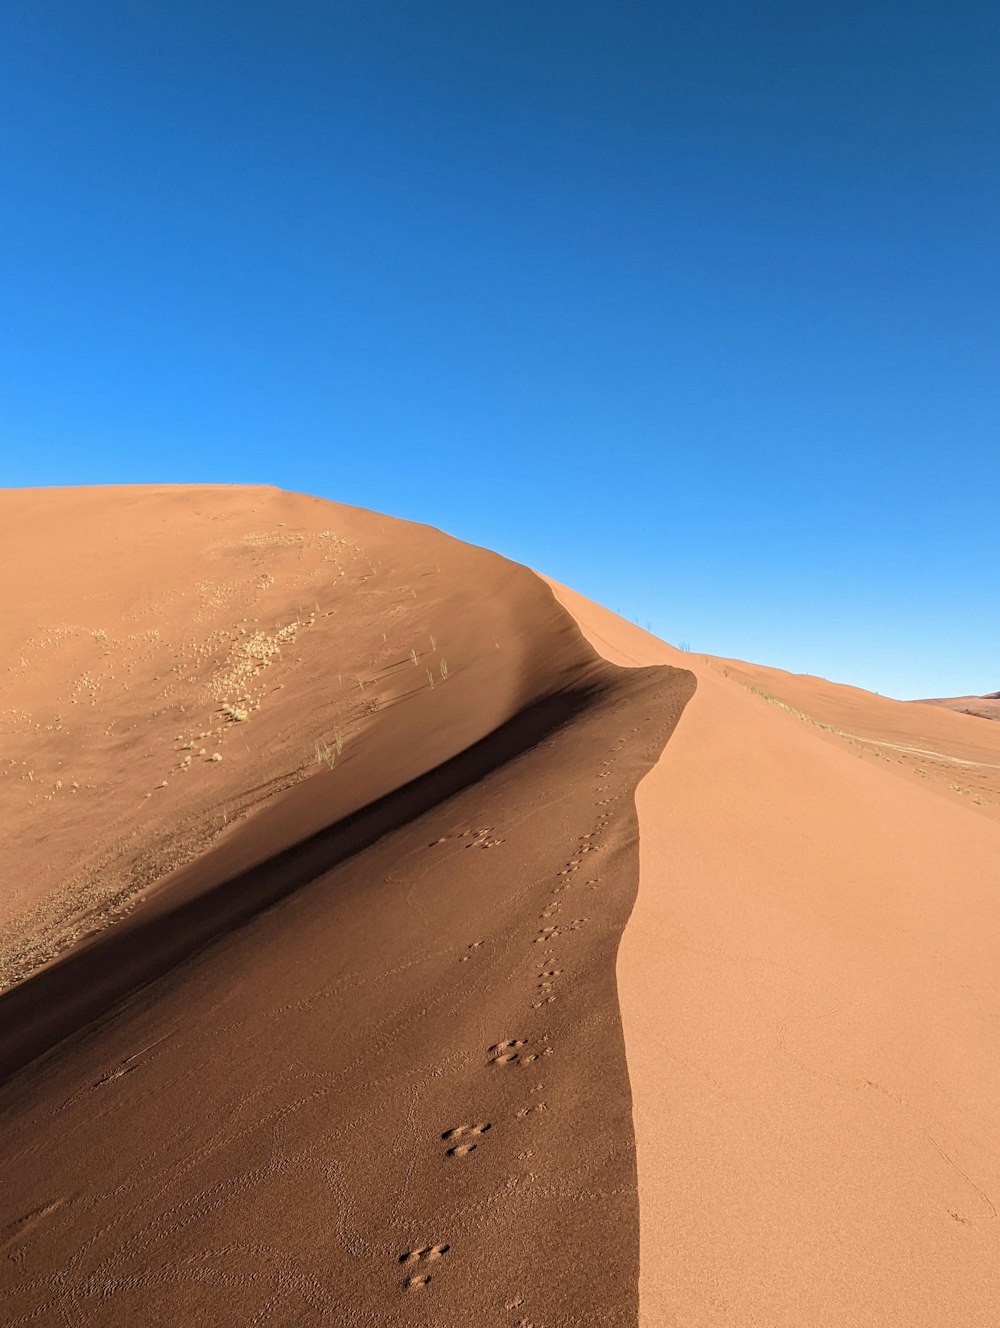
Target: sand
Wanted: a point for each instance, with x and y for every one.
(982, 707)
(809, 991)
(550, 977)
(357, 1058)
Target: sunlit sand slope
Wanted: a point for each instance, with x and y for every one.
(810, 996)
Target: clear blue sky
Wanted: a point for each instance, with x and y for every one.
(695, 306)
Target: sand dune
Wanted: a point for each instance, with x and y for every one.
(982, 707)
(358, 1058)
(811, 1005)
(337, 1029)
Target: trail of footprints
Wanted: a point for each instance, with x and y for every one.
(514, 1053)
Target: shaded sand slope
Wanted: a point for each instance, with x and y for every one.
(377, 1075)
(177, 658)
(809, 989)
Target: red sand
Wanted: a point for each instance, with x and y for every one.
(334, 1033)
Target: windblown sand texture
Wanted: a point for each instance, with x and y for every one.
(336, 1029)
(348, 1049)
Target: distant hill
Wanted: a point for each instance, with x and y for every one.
(984, 707)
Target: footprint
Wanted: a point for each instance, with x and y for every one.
(425, 1253)
(460, 1131)
(546, 934)
(474, 946)
(506, 1053)
(461, 1150)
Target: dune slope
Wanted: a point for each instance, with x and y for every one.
(810, 997)
(356, 1055)
(982, 707)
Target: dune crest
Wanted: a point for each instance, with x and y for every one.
(357, 1058)
(808, 984)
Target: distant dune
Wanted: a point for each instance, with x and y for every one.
(983, 707)
(391, 936)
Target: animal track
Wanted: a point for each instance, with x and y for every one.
(482, 838)
(417, 1281)
(462, 1132)
(475, 945)
(425, 1253)
(507, 1053)
(459, 1131)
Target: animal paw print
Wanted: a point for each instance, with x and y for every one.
(474, 946)
(546, 934)
(462, 1134)
(422, 1254)
(482, 838)
(509, 1053)
(546, 981)
(532, 1110)
(506, 1053)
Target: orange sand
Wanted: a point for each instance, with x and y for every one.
(809, 989)
(337, 1028)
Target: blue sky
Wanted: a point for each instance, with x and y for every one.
(694, 306)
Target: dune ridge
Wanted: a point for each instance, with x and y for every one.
(808, 985)
(359, 1059)
(206, 653)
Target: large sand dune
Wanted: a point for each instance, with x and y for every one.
(810, 990)
(336, 1029)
